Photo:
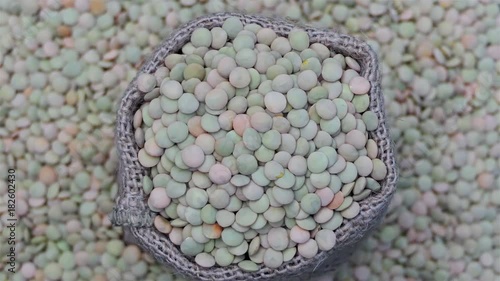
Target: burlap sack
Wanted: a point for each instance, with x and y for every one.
(131, 210)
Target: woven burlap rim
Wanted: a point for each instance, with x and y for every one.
(132, 212)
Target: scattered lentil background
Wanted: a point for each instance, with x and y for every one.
(65, 63)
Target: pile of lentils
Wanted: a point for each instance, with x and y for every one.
(64, 64)
(258, 145)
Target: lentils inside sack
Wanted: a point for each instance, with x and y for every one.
(258, 145)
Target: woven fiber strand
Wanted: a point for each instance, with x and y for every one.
(131, 210)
